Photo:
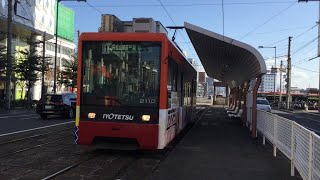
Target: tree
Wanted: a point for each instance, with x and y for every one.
(69, 72)
(28, 67)
(3, 59)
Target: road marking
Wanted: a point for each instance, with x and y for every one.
(5, 117)
(29, 118)
(43, 127)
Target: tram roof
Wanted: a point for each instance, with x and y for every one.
(225, 59)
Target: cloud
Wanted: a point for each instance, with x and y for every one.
(304, 79)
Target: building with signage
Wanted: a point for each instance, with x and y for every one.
(31, 20)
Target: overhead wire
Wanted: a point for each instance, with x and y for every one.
(281, 30)
(306, 69)
(305, 59)
(281, 40)
(174, 24)
(305, 32)
(222, 7)
(305, 45)
(94, 7)
(284, 39)
(196, 4)
(268, 20)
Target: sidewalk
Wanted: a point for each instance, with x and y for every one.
(220, 148)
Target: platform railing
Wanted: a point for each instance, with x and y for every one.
(300, 145)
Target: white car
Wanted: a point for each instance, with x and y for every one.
(264, 105)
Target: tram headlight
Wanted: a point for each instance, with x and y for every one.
(91, 115)
(145, 117)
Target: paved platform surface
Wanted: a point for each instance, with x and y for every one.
(220, 148)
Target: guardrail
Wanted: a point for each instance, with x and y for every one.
(297, 143)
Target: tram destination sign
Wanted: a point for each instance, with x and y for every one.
(108, 48)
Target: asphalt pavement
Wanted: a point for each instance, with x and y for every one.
(22, 119)
(308, 119)
(218, 147)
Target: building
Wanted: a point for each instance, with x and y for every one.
(267, 83)
(111, 23)
(32, 20)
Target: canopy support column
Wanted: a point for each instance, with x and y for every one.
(214, 94)
(227, 96)
(240, 95)
(244, 112)
(254, 107)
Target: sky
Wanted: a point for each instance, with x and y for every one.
(266, 23)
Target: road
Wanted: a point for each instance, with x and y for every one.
(52, 154)
(310, 120)
(20, 120)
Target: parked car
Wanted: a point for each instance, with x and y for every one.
(263, 104)
(57, 104)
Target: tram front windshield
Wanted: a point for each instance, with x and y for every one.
(120, 73)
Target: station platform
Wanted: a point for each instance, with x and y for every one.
(218, 147)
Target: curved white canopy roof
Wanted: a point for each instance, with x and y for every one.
(225, 59)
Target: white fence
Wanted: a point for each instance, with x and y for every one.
(299, 144)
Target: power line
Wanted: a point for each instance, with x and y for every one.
(278, 41)
(268, 20)
(94, 7)
(306, 69)
(307, 59)
(281, 30)
(196, 4)
(174, 23)
(222, 6)
(305, 31)
(305, 45)
(284, 39)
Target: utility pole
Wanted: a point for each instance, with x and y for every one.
(43, 63)
(318, 48)
(56, 45)
(56, 51)
(280, 97)
(78, 31)
(9, 56)
(288, 100)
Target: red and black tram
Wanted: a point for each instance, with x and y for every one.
(137, 90)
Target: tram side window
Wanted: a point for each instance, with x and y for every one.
(172, 82)
(187, 93)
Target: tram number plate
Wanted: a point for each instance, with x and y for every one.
(48, 107)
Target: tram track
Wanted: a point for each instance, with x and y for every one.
(132, 166)
(64, 170)
(120, 164)
(158, 157)
(33, 147)
(33, 136)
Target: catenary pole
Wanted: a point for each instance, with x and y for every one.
(289, 76)
(43, 63)
(280, 97)
(9, 56)
(318, 49)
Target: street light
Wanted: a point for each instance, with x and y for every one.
(275, 66)
(56, 45)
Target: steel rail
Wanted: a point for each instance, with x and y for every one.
(33, 136)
